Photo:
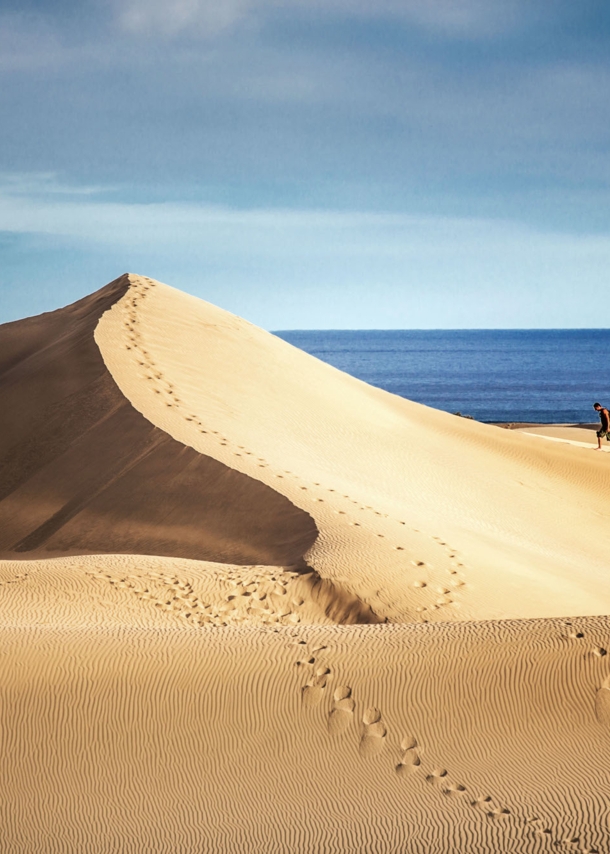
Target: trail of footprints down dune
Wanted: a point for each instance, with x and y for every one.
(431, 593)
(272, 596)
(373, 736)
(373, 739)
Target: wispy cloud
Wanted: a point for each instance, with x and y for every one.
(43, 205)
(466, 19)
(291, 268)
(167, 19)
(38, 185)
(268, 132)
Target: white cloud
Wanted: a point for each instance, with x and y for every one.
(41, 203)
(465, 19)
(168, 18)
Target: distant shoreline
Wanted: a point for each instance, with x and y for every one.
(519, 425)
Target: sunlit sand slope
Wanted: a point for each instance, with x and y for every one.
(462, 737)
(421, 515)
(82, 471)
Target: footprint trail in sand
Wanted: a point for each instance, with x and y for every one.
(373, 632)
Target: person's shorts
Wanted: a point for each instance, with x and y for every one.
(602, 433)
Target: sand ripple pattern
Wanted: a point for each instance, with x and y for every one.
(406, 738)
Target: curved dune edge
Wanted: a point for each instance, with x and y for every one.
(420, 738)
(81, 471)
(421, 515)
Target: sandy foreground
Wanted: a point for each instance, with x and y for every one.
(250, 603)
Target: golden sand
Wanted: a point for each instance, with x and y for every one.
(249, 603)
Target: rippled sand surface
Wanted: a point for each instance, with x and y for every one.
(249, 603)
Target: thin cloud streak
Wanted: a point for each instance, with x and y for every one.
(286, 268)
(469, 19)
(40, 203)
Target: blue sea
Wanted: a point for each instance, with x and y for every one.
(550, 375)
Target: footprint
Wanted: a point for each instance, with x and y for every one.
(455, 789)
(374, 735)
(575, 635)
(483, 804)
(602, 706)
(313, 692)
(546, 831)
(437, 777)
(342, 712)
(410, 760)
(498, 812)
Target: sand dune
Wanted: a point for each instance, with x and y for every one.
(81, 471)
(249, 603)
(402, 495)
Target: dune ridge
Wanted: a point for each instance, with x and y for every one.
(249, 603)
(81, 471)
(413, 507)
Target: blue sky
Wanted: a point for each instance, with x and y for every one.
(311, 163)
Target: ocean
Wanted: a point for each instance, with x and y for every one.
(535, 375)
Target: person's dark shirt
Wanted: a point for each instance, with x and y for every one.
(605, 418)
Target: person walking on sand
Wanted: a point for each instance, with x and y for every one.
(605, 428)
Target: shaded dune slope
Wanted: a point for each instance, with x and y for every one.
(81, 471)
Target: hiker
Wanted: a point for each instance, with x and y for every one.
(605, 428)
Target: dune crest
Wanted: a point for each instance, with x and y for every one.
(82, 472)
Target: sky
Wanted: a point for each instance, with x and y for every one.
(311, 164)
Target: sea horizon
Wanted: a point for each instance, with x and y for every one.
(537, 376)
